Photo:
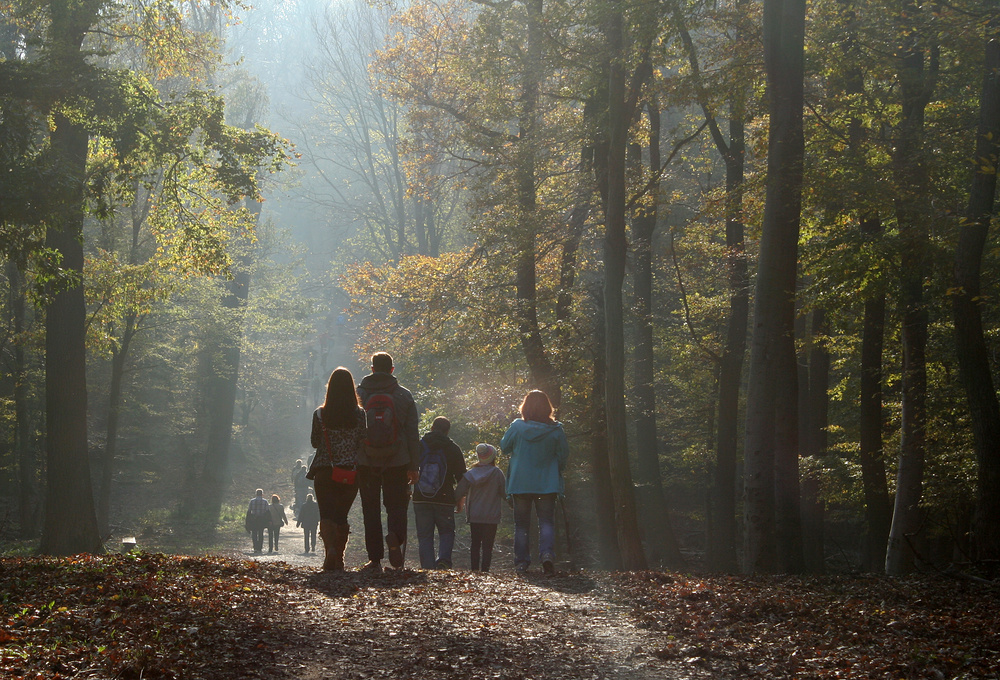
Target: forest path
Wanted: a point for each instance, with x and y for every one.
(457, 624)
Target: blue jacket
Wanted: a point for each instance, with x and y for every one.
(538, 453)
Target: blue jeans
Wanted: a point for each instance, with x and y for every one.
(427, 516)
(545, 508)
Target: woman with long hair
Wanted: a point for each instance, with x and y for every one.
(538, 449)
(338, 429)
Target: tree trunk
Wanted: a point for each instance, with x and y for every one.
(772, 358)
(816, 405)
(970, 342)
(610, 554)
(70, 520)
(543, 375)
(615, 253)
(118, 360)
(878, 507)
(912, 211)
(660, 540)
(24, 448)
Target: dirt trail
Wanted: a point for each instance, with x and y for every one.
(457, 624)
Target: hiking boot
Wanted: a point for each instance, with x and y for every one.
(548, 567)
(395, 550)
(372, 567)
(521, 568)
(443, 564)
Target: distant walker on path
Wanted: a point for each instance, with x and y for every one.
(257, 519)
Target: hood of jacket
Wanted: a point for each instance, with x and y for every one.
(479, 473)
(534, 431)
(379, 382)
(436, 439)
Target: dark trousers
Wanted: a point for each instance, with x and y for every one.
(309, 531)
(483, 536)
(257, 536)
(334, 498)
(390, 487)
(272, 537)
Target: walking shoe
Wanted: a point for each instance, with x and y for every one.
(395, 550)
(372, 567)
(548, 567)
(521, 568)
(443, 564)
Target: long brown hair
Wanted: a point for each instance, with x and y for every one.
(536, 406)
(340, 409)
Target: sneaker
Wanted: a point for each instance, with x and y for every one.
(443, 564)
(548, 567)
(395, 550)
(372, 567)
(522, 568)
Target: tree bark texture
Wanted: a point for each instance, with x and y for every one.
(610, 554)
(772, 357)
(70, 519)
(543, 375)
(916, 80)
(615, 254)
(970, 342)
(878, 506)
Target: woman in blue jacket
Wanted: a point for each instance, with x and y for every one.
(537, 447)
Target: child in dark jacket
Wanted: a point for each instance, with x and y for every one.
(481, 490)
(441, 465)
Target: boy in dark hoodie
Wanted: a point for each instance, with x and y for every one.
(441, 465)
(482, 490)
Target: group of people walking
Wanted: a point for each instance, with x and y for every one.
(263, 516)
(368, 443)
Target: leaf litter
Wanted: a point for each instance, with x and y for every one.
(158, 616)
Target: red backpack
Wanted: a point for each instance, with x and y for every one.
(382, 426)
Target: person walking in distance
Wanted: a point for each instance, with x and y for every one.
(338, 428)
(257, 519)
(278, 520)
(441, 464)
(388, 460)
(538, 450)
(309, 521)
(481, 491)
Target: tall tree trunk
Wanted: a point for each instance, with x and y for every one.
(970, 342)
(878, 507)
(70, 520)
(916, 86)
(721, 548)
(610, 554)
(660, 540)
(24, 449)
(615, 253)
(767, 459)
(543, 375)
(118, 360)
(815, 417)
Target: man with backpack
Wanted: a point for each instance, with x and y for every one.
(388, 460)
(441, 466)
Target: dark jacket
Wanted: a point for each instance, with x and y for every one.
(308, 514)
(408, 433)
(456, 468)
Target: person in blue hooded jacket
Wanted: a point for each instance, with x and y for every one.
(537, 447)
